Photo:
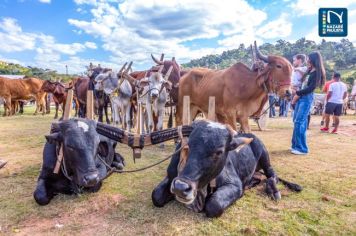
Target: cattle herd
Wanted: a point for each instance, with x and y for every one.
(220, 163)
(240, 92)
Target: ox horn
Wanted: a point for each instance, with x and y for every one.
(135, 140)
(160, 69)
(131, 79)
(166, 77)
(156, 60)
(129, 67)
(260, 55)
(162, 56)
(122, 68)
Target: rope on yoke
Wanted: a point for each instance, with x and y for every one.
(114, 170)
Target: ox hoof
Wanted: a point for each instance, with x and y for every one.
(213, 210)
(118, 165)
(277, 196)
(2, 163)
(41, 198)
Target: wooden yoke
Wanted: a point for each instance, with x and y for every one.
(66, 116)
(184, 143)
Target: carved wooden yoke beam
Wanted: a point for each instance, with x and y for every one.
(140, 141)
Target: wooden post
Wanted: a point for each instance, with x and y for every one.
(211, 111)
(139, 118)
(186, 121)
(90, 105)
(68, 106)
(66, 116)
(136, 152)
(186, 110)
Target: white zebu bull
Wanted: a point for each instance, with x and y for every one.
(154, 98)
(111, 83)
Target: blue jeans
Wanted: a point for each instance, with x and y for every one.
(287, 108)
(272, 111)
(282, 106)
(300, 118)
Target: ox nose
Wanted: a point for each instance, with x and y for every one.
(154, 95)
(181, 188)
(91, 179)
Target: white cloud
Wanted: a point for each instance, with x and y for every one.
(45, 1)
(133, 29)
(311, 7)
(279, 28)
(13, 39)
(89, 2)
(2, 58)
(247, 38)
(48, 52)
(90, 45)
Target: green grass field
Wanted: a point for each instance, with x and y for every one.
(123, 206)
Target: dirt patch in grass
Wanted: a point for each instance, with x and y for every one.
(87, 219)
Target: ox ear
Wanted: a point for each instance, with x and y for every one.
(144, 83)
(167, 85)
(53, 138)
(237, 143)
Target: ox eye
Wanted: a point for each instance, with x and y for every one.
(219, 153)
(70, 148)
(279, 66)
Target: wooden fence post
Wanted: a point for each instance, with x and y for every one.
(90, 105)
(186, 121)
(66, 116)
(136, 152)
(211, 111)
(68, 105)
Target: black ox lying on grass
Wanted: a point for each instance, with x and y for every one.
(81, 168)
(217, 152)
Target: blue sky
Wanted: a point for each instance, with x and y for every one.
(54, 33)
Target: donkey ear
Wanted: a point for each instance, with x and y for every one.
(237, 143)
(53, 138)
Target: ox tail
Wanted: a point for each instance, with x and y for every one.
(292, 186)
(170, 119)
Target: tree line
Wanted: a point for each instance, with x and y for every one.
(45, 74)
